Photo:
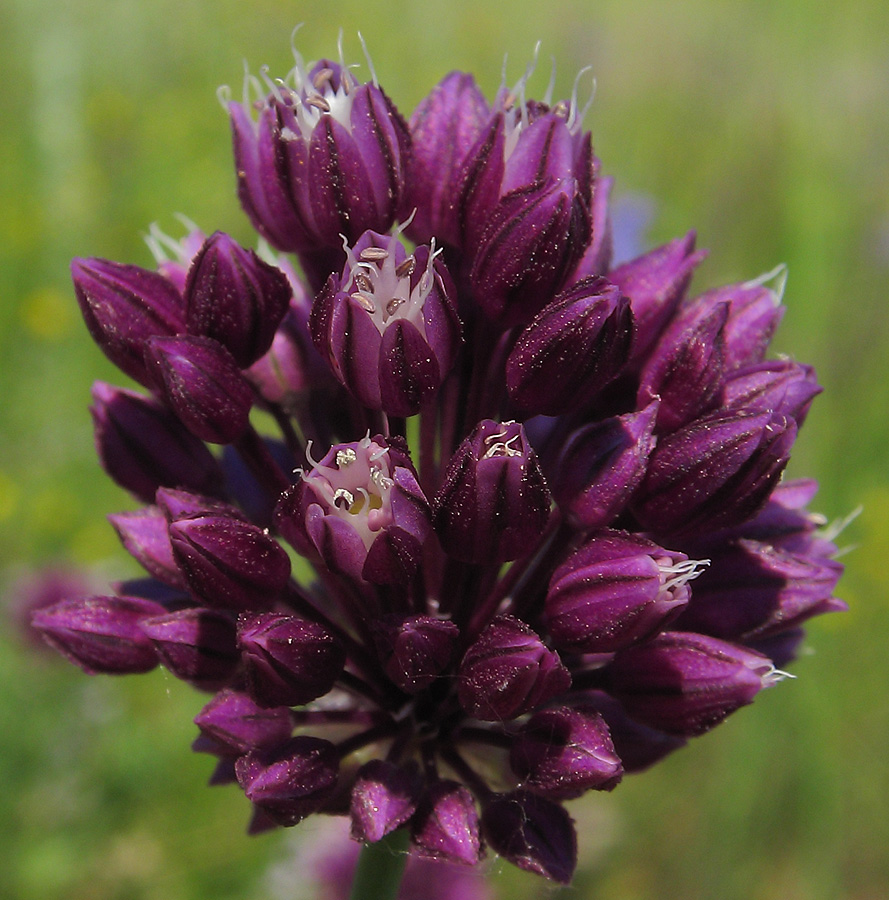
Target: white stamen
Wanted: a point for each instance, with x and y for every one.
(833, 530)
(778, 275)
(314, 463)
(370, 65)
(575, 119)
(774, 675)
(682, 572)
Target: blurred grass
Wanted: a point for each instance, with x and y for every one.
(762, 125)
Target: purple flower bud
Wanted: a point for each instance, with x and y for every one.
(754, 313)
(638, 746)
(179, 504)
(444, 129)
(784, 387)
(752, 590)
(288, 661)
(533, 833)
(686, 367)
(197, 645)
(235, 724)
(686, 683)
(384, 798)
(533, 237)
(445, 825)
(713, 473)
(616, 590)
(292, 369)
(508, 672)
(574, 346)
(596, 259)
(235, 298)
(144, 535)
(388, 324)
(564, 752)
(416, 650)
(101, 634)
(325, 158)
(291, 781)
(229, 563)
(123, 306)
(360, 510)
(203, 385)
(493, 503)
(655, 284)
(143, 446)
(601, 465)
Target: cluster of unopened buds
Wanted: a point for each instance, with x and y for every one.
(486, 522)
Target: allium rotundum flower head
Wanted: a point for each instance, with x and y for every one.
(513, 525)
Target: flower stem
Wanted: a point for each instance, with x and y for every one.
(380, 868)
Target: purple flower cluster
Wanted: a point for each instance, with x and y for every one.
(487, 522)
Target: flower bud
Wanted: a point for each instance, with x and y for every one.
(616, 590)
(196, 645)
(326, 157)
(533, 238)
(388, 325)
(229, 563)
(444, 129)
(416, 650)
(235, 298)
(752, 590)
(123, 306)
(715, 472)
(445, 825)
(291, 781)
(360, 510)
(638, 746)
(596, 259)
(493, 503)
(686, 367)
(384, 797)
(145, 536)
(601, 465)
(564, 752)
(508, 672)
(101, 634)
(203, 385)
(288, 661)
(143, 446)
(754, 313)
(656, 284)
(574, 346)
(235, 724)
(533, 833)
(686, 683)
(781, 386)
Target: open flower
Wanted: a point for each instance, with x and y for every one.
(536, 499)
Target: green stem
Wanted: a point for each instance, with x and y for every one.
(380, 868)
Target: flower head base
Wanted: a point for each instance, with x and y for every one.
(545, 542)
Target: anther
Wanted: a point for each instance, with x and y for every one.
(364, 302)
(363, 282)
(341, 494)
(318, 102)
(393, 304)
(406, 268)
(345, 457)
(322, 79)
(374, 254)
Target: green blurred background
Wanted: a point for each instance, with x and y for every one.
(763, 125)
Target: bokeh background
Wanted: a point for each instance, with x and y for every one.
(763, 124)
